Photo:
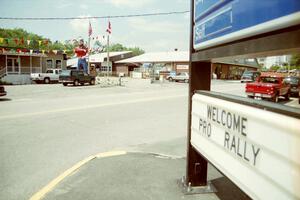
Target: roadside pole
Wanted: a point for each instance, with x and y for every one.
(89, 47)
(107, 60)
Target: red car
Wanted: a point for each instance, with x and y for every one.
(269, 87)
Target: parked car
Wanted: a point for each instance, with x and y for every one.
(76, 77)
(2, 91)
(269, 87)
(183, 76)
(294, 81)
(250, 76)
(50, 76)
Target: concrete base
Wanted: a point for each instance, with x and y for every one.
(188, 189)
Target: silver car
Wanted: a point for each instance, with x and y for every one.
(249, 76)
(183, 76)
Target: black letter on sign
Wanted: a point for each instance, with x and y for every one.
(244, 120)
(209, 112)
(236, 123)
(229, 120)
(233, 144)
(255, 154)
(226, 140)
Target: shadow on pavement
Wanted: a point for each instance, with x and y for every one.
(5, 99)
(227, 190)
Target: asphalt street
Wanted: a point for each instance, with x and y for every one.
(45, 129)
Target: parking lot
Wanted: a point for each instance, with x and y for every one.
(45, 129)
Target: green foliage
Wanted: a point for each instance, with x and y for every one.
(23, 35)
(119, 47)
(295, 60)
(294, 67)
(275, 67)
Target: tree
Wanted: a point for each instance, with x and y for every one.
(119, 47)
(47, 44)
(295, 61)
(17, 38)
(274, 67)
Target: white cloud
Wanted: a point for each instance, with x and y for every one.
(155, 26)
(153, 35)
(64, 5)
(129, 3)
(84, 6)
(81, 26)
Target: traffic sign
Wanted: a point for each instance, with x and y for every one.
(222, 21)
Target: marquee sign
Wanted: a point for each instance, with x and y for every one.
(221, 21)
(257, 149)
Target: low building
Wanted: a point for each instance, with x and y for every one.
(177, 61)
(16, 67)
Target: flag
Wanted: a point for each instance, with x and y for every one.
(109, 28)
(28, 42)
(22, 41)
(40, 42)
(1, 40)
(46, 42)
(90, 29)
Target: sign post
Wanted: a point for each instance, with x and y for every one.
(239, 28)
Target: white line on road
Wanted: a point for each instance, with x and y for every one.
(89, 107)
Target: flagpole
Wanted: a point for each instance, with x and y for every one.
(107, 54)
(89, 45)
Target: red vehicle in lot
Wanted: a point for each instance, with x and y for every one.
(269, 86)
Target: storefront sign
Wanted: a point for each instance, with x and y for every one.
(221, 21)
(258, 150)
(182, 67)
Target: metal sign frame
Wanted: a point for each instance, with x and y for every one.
(266, 44)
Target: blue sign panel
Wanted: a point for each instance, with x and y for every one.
(221, 21)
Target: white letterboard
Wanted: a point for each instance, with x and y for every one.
(258, 150)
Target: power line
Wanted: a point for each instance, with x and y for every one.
(95, 17)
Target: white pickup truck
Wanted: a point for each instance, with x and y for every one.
(51, 75)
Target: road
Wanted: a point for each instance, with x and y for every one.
(45, 129)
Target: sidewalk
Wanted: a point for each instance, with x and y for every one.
(136, 176)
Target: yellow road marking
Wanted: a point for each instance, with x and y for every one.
(40, 194)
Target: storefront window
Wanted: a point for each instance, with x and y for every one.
(58, 64)
(49, 63)
(235, 72)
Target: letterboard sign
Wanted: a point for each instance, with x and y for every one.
(257, 149)
(221, 21)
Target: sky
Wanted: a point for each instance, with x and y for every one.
(153, 34)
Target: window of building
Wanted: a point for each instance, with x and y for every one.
(49, 63)
(58, 64)
(103, 68)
